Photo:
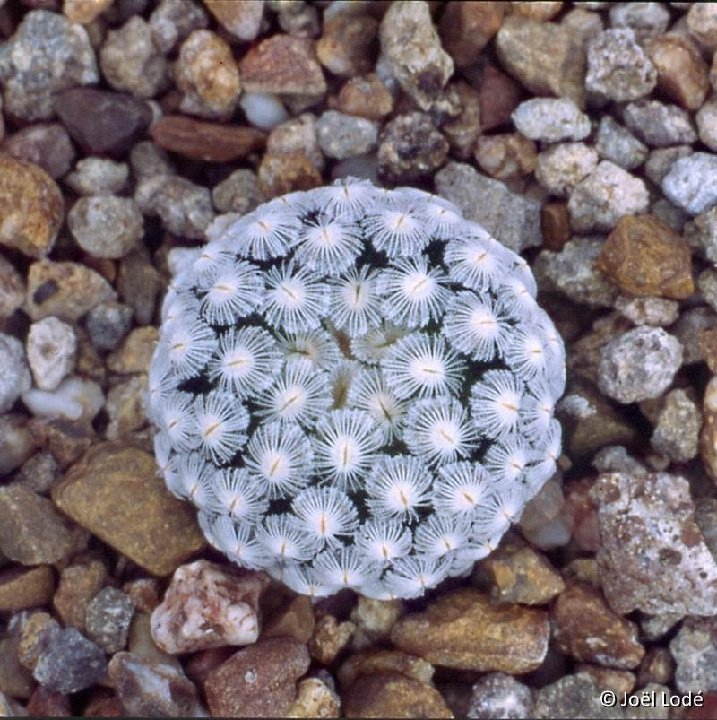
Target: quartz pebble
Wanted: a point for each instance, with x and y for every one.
(263, 110)
(652, 557)
(106, 226)
(107, 619)
(98, 176)
(147, 159)
(617, 67)
(497, 695)
(84, 11)
(691, 182)
(660, 161)
(463, 130)
(45, 144)
(73, 399)
(172, 20)
(208, 606)
(412, 49)
(659, 124)
(238, 193)
(562, 166)
(365, 96)
(639, 365)
(47, 54)
(551, 120)
(346, 46)
(545, 57)
(615, 143)
(300, 19)
(15, 379)
(604, 196)
(17, 442)
(341, 136)
(410, 148)
(374, 619)
(131, 62)
(51, 348)
(677, 430)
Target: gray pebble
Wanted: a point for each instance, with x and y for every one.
(572, 696)
(341, 136)
(639, 364)
(106, 226)
(694, 649)
(107, 323)
(691, 182)
(108, 617)
(660, 161)
(551, 120)
(45, 144)
(70, 663)
(648, 310)
(561, 167)
(51, 349)
(706, 119)
(677, 431)
(647, 19)
(701, 234)
(619, 145)
(98, 176)
(707, 284)
(617, 67)
(174, 20)
(147, 160)
(658, 124)
(239, 193)
(687, 329)
(15, 376)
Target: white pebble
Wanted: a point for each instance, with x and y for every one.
(74, 399)
(263, 110)
(51, 348)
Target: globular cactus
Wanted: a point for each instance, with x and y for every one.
(356, 388)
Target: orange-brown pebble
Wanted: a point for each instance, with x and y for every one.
(467, 27)
(287, 172)
(84, 11)
(365, 97)
(555, 225)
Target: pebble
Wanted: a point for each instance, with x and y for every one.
(645, 257)
(46, 55)
(555, 225)
(618, 69)
(551, 120)
(546, 58)
(412, 48)
(342, 136)
(688, 328)
(79, 583)
(107, 324)
(702, 25)
(31, 207)
(263, 110)
(139, 284)
(466, 28)
(66, 441)
(497, 695)
(208, 606)
(706, 119)
(300, 19)
(373, 620)
(546, 522)
(648, 310)
(315, 699)
(100, 121)
(541, 12)
(659, 124)
(677, 430)
(106, 226)
(515, 573)
(145, 593)
(207, 74)
(12, 289)
(282, 64)
(583, 24)
(17, 442)
(297, 134)
(66, 290)
(242, 18)
(694, 650)
(646, 19)
(681, 72)
(346, 46)
(293, 617)
(701, 233)
(131, 62)
(74, 399)
(184, 208)
(39, 472)
(152, 689)
(329, 638)
(506, 155)
(660, 161)
(604, 196)
(258, 681)
(126, 407)
(638, 365)
(708, 436)
(656, 667)
(70, 662)
(102, 493)
(653, 556)
(16, 375)
(51, 349)
(619, 145)
(22, 588)
(84, 11)
(463, 130)
(462, 629)
(238, 193)
(98, 176)
(691, 182)
(561, 167)
(381, 661)
(498, 96)
(391, 694)
(172, 20)
(514, 219)
(571, 696)
(148, 159)
(410, 148)
(107, 619)
(707, 340)
(37, 629)
(45, 144)
(586, 629)
(15, 679)
(284, 173)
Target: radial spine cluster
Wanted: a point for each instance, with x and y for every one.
(356, 388)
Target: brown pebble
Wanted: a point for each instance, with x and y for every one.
(498, 96)
(380, 661)
(287, 172)
(135, 353)
(31, 207)
(242, 18)
(645, 256)
(506, 156)
(681, 72)
(707, 339)
(38, 629)
(586, 629)
(390, 694)
(465, 630)
(103, 704)
(45, 144)
(330, 637)
(467, 27)
(84, 11)
(293, 619)
(315, 700)
(365, 97)
(66, 440)
(348, 44)
(555, 225)
(103, 491)
(282, 64)
(206, 141)
(15, 679)
(258, 681)
(24, 588)
(49, 703)
(79, 583)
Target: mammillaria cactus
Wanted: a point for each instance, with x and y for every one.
(356, 387)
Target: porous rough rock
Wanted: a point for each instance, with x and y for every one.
(341, 136)
(659, 124)
(208, 606)
(562, 166)
(691, 182)
(638, 365)
(694, 650)
(652, 557)
(551, 120)
(51, 348)
(706, 119)
(315, 699)
(464, 630)
(619, 145)
(412, 49)
(677, 430)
